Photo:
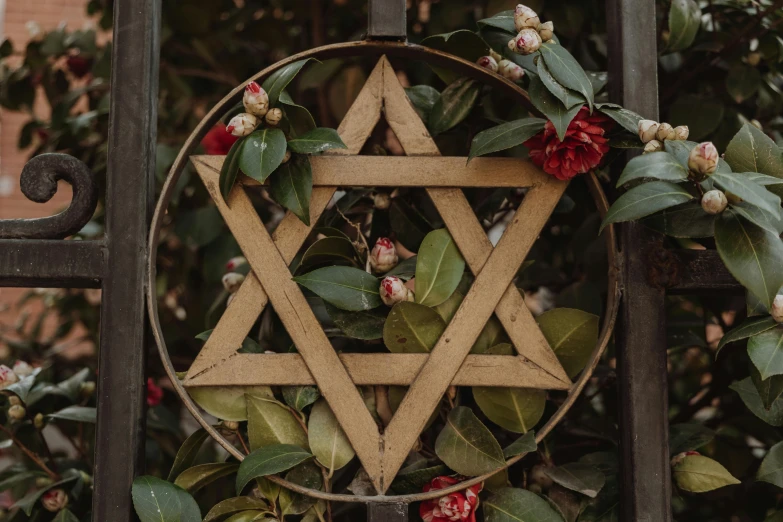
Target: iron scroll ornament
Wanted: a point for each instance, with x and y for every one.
(398, 50)
(38, 182)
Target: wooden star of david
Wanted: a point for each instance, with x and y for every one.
(428, 375)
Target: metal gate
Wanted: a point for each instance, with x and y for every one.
(34, 254)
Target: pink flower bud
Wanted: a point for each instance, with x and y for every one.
(274, 116)
(665, 132)
(232, 281)
(647, 130)
(235, 262)
(22, 369)
(383, 256)
(7, 377)
(256, 100)
(703, 159)
(524, 17)
(393, 291)
(653, 146)
(54, 500)
(487, 62)
(527, 41)
(777, 308)
(511, 71)
(242, 124)
(17, 412)
(681, 133)
(546, 30)
(714, 202)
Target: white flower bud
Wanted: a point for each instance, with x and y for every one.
(647, 130)
(665, 132)
(230, 425)
(703, 159)
(653, 146)
(235, 262)
(54, 500)
(87, 389)
(383, 256)
(274, 116)
(527, 41)
(22, 369)
(381, 201)
(242, 124)
(487, 62)
(546, 30)
(777, 308)
(510, 70)
(38, 421)
(13, 400)
(393, 291)
(525, 17)
(17, 412)
(714, 202)
(255, 100)
(681, 133)
(232, 281)
(7, 377)
(495, 56)
(287, 156)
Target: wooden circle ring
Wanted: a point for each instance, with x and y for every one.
(400, 50)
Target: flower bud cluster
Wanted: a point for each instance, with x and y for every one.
(256, 102)
(531, 33)
(505, 68)
(653, 134)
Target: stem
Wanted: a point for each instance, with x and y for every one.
(31, 454)
(358, 228)
(242, 441)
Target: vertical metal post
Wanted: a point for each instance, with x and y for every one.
(393, 512)
(129, 192)
(644, 469)
(386, 20)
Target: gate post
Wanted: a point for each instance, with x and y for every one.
(129, 195)
(645, 474)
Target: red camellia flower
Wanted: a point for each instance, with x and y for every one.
(218, 142)
(456, 507)
(582, 150)
(154, 393)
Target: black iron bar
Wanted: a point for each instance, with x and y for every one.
(51, 263)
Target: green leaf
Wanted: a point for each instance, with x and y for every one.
(552, 108)
(644, 200)
(505, 136)
(328, 442)
(270, 422)
(467, 446)
(156, 500)
(20, 477)
(292, 186)
(279, 80)
(524, 444)
(688, 436)
(684, 23)
(751, 254)
(412, 328)
(413, 480)
(195, 478)
(24, 388)
(65, 515)
(345, 287)
(567, 71)
(769, 389)
(300, 121)
(230, 169)
(455, 103)
(439, 268)
(701, 114)
(771, 469)
(76, 414)
(754, 402)
(268, 461)
(300, 397)
(687, 221)
(367, 324)
(566, 96)
(227, 402)
(656, 165)
(742, 82)
(766, 352)
(463, 43)
(247, 516)
(748, 190)
(628, 120)
(698, 474)
(503, 20)
(572, 334)
(519, 505)
(186, 455)
(423, 98)
(317, 140)
(515, 409)
(235, 505)
(329, 250)
(261, 153)
(579, 477)
(750, 150)
(307, 475)
(759, 217)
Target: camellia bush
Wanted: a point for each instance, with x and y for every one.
(709, 176)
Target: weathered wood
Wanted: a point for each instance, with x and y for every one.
(52, 263)
(386, 19)
(391, 512)
(702, 271)
(288, 369)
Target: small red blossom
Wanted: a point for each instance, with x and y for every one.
(581, 151)
(154, 393)
(253, 87)
(218, 141)
(455, 507)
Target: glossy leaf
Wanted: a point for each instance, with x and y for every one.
(688, 436)
(299, 119)
(579, 477)
(700, 113)
(65, 515)
(759, 217)
(524, 444)
(698, 474)
(657, 165)
(412, 328)
(261, 153)
(186, 455)
(345, 287)
(423, 98)
(685, 221)
(515, 409)
(268, 461)
(628, 120)
(270, 422)
(76, 414)
(644, 200)
(503, 20)
(328, 442)
(230, 169)
(366, 324)
(572, 334)
(747, 391)
(329, 250)
(742, 82)
(195, 478)
(766, 352)
(439, 268)
(300, 397)
(505, 136)
(519, 505)
(317, 140)
(751, 254)
(455, 103)
(307, 475)
(467, 446)
(292, 185)
(247, 516)
(413, 479)
(684, 23)
(551, 107)
(748, 190)
(566, 96)
(750, 150)
(769, 389)
(463, 43)
(227, 403)
(156, 500)
(279, 80)
(566, 70)
(771, 469)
